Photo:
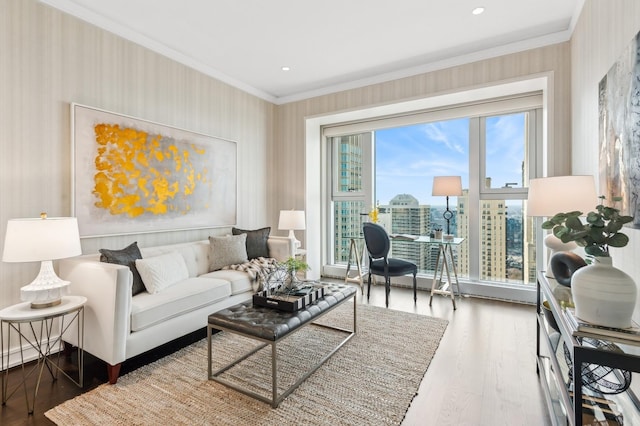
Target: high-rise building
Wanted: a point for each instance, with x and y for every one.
(348, 213)
(493, 235)
(404, 215)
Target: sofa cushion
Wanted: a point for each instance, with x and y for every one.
(256, 241)
(240, 281)
(227, 250)
(196, 256)
(162, 271)
(126, 257)
(181, 298)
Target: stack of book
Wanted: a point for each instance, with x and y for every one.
(587, 329)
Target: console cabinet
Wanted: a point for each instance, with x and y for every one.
(561, 356)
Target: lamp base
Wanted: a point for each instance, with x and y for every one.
(46, 304)
(296, 242)
(46, 289)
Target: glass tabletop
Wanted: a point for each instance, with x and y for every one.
(421, 239)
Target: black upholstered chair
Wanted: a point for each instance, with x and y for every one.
(378, 246)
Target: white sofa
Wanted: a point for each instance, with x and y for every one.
(119, 326)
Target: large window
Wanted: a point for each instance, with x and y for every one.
(493, 146)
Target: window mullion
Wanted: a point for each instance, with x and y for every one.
(476, 173)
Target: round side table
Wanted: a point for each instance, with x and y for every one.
(34, 329)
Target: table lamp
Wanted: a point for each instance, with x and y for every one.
(447, 186)
(292, 220)
(560, 194)
(42, 240)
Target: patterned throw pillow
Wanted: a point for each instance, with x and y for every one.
(227, 250)
(256, 241)
(162, 271)
(126, 257)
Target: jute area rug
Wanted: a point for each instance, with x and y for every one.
(371, 380)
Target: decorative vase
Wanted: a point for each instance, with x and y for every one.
(603, 295)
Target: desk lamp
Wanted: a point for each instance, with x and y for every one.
(447, 186)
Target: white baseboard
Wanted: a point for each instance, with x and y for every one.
(29, 354)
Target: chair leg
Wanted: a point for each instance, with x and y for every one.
(415, 294)
(368, 286)
(387, 289)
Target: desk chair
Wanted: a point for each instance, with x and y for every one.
(378, 246)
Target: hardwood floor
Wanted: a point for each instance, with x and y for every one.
(483, 372)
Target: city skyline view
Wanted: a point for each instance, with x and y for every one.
(406, 160)
(408, 157)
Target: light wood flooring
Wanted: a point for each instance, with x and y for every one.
(483, 373)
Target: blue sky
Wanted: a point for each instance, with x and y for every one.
(408, 157)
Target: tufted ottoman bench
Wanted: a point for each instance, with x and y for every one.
(270, 326)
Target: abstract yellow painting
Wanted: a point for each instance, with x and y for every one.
(132, 175)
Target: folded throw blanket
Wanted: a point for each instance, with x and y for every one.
(259, 270)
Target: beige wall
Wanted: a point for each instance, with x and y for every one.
(604, 30)
(47, 61)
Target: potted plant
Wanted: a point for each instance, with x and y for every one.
(602, 294)
(601, 230)
(294, 265)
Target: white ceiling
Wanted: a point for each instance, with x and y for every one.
(330, 45)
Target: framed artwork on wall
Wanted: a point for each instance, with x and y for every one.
(135, 176)
(619, 131)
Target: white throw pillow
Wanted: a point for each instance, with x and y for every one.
(160, 272)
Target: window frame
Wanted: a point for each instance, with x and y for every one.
(531, 102)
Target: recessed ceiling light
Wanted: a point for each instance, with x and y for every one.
(286, 68)
(477, 10)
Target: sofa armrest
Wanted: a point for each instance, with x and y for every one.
(281, 248)
(107, 312)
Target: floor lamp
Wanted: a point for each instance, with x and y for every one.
(560, 194)
(447, 186)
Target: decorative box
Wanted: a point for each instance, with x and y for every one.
(290, 300)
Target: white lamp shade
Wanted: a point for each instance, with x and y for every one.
(561, 194)
(37, 239)
(292, 220)
(447, 186)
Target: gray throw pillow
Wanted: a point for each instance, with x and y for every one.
(256, 241)
(126, 257)
(227, 250)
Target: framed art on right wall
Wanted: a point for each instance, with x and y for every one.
(619, 131)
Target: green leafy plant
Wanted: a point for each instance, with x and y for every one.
(601, 230)
(294, 265)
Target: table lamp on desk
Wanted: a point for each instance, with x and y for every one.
(447, 186)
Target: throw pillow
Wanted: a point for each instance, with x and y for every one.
(162, 271)
(227, 250)
(256, 241)
(127, 257)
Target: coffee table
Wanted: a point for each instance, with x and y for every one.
(270, 327)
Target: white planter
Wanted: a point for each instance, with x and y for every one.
(603, 295)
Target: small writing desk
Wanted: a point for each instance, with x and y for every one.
(445, 263)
